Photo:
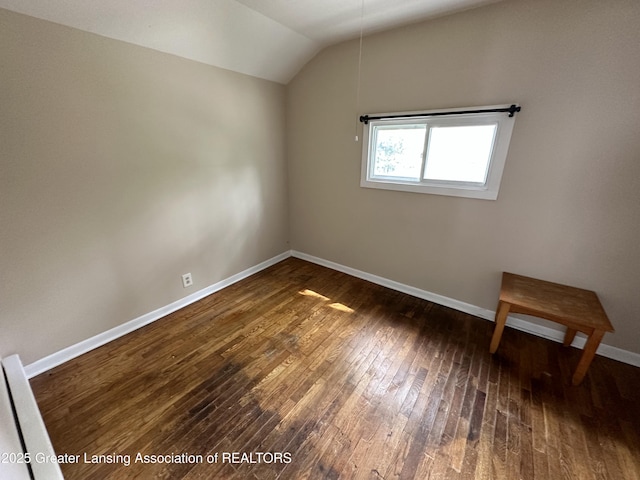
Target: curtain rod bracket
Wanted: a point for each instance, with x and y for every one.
(513, 109)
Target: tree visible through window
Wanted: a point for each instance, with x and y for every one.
(399, 151)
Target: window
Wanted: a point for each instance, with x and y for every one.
(452, 153)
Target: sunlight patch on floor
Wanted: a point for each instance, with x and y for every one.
(341, 307)
(336, 305)
(311, 293)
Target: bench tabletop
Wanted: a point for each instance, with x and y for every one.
(554, 301)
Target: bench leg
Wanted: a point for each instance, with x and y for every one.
(587, 355)
(501, 319)
(569, 336)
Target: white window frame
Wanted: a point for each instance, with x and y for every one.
(487, 190)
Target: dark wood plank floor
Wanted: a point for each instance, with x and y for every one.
(345, 379)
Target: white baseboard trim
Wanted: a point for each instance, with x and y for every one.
(73, 351)
(608, 351)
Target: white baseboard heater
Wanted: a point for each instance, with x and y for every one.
(26, 451)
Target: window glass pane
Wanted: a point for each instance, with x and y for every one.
(399, 151)
(459, 153)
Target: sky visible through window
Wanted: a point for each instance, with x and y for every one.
(460, 153)
(454, 153)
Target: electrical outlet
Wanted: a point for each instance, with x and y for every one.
(187, 281)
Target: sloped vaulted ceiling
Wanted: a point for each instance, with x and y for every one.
(270, 39)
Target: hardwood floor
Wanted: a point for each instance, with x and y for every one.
(342, 379)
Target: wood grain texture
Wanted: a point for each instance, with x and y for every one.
(576, 308)
(351, 379)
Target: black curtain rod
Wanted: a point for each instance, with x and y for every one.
(512, 111)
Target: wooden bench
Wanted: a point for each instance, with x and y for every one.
(579, 310)
(25, 448)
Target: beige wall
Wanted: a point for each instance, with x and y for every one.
(569, 205)
(120, 169)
